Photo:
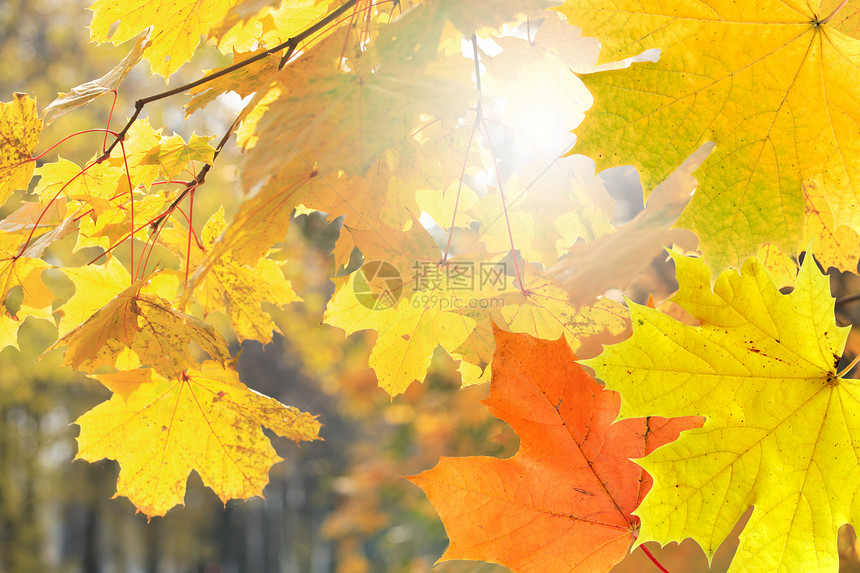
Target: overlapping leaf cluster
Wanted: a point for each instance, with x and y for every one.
(405, 122)
(762, 367)
(367, 113)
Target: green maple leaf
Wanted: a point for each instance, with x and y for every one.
(783, 428)
(770, 84)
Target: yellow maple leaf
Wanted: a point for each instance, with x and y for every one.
(19, 134)
(783, 427)
(615, 259)
(231, 287)
(381, 198)
(342, 120)
(135, 326)
(114, 226)
(271, 25)
(530, 199)
(95, 286)
(770, 82)
(243, 81)
(782, 268)
(142, 141)
(834, 246)
(176, 27)
(409, 329)
(25, 273)
(419, 304)
(94, 187)
(205, 420)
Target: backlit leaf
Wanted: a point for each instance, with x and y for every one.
(782, 430)
(764, 81)
(19, 135)
(204, 420)
(234, 288)
(24, 273)
(176, 27)
(564, 502)
(145, 324)
(172, 154)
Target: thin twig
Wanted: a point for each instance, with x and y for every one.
(848, 368)
(198, 180)
(846, 299)
(475, 125)
(653, 559)
(290, 45)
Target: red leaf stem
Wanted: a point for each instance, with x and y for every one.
(653, 559)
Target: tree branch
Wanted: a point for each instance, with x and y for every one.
(197, 181)
(846, 299)
(290, 45)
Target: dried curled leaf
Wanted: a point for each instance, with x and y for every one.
(87, 92)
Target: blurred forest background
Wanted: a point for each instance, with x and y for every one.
(336, 506)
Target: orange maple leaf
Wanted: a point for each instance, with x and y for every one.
(564, 502)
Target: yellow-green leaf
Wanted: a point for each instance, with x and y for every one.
(774, 89)
(231, 287)
(173, 154)
(783, 430)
